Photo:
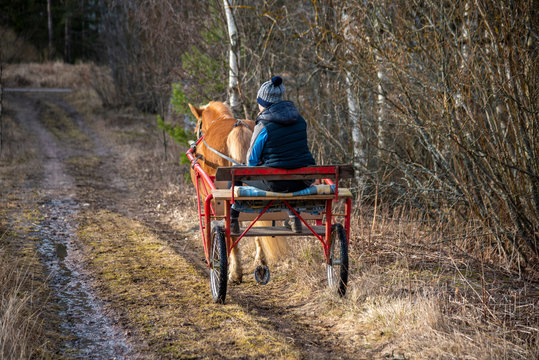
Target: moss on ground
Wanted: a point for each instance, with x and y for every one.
(84, 168)
(167, 299)
(61, 125)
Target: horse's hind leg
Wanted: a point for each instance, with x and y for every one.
(260, 258)
(235, 269)
(262, 273)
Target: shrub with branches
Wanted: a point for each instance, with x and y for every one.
(435, 103)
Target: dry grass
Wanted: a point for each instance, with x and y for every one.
(91, 85)
(49, 75)
(414, 290)
(18, 322)
(411, 297)
(24, 294)
(14, 151)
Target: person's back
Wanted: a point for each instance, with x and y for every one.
(286, 143)
(280, 137)
(279, 140)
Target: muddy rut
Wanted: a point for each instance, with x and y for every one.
(123, 259)
(89, 331)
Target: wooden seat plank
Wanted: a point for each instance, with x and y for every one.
(226, 194)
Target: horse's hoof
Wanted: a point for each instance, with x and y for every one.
(262, 274)
(237, 279)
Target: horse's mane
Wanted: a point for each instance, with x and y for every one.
(220, 108)
(221, 133)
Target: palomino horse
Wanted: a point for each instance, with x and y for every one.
(231, 137)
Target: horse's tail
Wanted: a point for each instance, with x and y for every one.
(238, 142)
(274, 247)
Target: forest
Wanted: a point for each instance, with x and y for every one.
(435, 103)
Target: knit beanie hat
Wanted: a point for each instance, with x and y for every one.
(270, 92)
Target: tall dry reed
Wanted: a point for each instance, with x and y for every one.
(19, 323)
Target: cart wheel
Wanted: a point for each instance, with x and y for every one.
(337, 267)
(262, 274)
(219, 265)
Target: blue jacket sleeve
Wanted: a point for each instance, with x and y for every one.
(258, 145)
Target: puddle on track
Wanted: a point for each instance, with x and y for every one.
(90, 333)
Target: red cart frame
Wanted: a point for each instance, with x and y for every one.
(217, 203)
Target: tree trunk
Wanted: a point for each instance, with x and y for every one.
(381, 103)
(380, 96)
(49, 18)
(354, 110)
(67, 52)
(1, 107)
(233, 70)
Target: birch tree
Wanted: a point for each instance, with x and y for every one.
(379, 38)
(233, 64)
(354, 109)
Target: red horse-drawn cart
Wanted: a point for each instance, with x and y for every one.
(314, 206)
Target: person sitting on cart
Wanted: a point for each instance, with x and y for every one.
(280, 141)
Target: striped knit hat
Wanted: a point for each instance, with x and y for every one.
(270, 92)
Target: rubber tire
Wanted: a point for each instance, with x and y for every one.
(218, 277)
(338, 239)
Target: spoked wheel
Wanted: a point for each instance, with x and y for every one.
(218, 265)
(337, 268)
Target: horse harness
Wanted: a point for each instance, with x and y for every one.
(201, 137)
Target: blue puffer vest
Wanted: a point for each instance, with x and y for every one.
(286, 146)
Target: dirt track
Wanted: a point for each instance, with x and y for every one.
(128, 226)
